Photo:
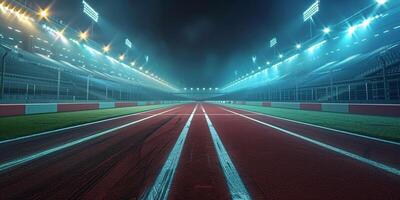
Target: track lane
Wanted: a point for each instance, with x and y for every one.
(18, 148)
(199, 175)
(118, 165)
(274, 165)
(382, 152)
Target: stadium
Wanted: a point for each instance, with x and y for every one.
(91, 109)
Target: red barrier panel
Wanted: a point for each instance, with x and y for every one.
(12, 110)
(266, 104)
(77, 107)
(389, 110)
(311, 106)
(125, 104)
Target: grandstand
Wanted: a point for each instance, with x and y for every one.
(42, 61)
(357, 63)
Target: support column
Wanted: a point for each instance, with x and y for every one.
(58, 83)
(349, 92)
(385, 84)
(3, 73)
(106, 93)
(87, 88)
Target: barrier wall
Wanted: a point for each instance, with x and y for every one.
(40, 108)
(389, 110)
(12, 109)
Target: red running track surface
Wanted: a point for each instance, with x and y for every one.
(125, 163)
(199, 175)
(119, 165)
(274, 165)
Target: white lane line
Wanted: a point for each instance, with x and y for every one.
(40, 154)
(323, 127)
(72, 127)
(326, 146)
(235, 183)
(162, 184)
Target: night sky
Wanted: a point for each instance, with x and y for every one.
(201, 43)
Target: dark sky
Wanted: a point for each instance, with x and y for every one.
(201, 43)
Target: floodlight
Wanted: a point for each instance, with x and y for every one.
(44, 13)
(326, 30)
(381, 2)
(83, 35)
(89, 11)
(311, 11)
(280, 56)
(273, 42)
(366, 22)
(128, 43)
(106, 49)
(351, 30)
(298, 46)
(254, 59)
(122, 57)
(133, 64)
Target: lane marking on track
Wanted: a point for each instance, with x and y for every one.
(322, 127)
(162, 184)
(235, 183)
(326, 146)
(40, 154)
(72, 127)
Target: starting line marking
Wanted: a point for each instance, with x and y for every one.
(162, 184)
(326, 146)
(236, 187)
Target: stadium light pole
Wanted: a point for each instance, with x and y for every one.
(309, 13)
(91, 13)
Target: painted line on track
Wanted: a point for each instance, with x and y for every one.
(236, 187)
(76, 126)
(163, 182)
(34, 156)
(326, 146)
(321, 127)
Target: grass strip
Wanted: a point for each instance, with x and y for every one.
(376, 126)
(13, 127)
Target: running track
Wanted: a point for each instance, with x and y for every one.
(199, 151)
